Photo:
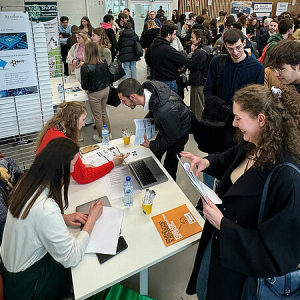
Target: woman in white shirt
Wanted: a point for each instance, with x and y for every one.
(37, 249)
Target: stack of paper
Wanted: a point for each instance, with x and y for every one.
(203, 189)
(105, 234)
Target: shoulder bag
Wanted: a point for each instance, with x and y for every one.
(138, 49)
(113, 98)
(116, 70)
(285, 287)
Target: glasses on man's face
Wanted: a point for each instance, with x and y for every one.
(277, 70)
(237, 48)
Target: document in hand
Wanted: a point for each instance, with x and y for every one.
(144, 126)
(202, 188)
(176, 224)
(105, 234)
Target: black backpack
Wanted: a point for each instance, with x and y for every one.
(211, 55)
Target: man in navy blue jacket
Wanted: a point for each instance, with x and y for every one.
(240, 69)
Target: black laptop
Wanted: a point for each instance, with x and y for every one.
(147, 172)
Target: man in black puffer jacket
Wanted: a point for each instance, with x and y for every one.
(171, 116)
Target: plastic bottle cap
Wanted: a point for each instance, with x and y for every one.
(128, 178)
(104, 126)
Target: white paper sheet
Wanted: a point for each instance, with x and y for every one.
(144, 126)
(105, 234)
(114, 182)
(202, 188)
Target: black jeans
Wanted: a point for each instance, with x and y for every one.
(171, 161)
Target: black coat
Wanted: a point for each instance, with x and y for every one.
(164, 60)
(127, 46)
(114, 44)
(240, 249)
(171, 116)
(196, 64)
(94, 78)
(262, 42)
(150, 35)
(131, 21)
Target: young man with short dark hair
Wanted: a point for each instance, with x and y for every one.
(64, 29)
(122, 19)
(171, 116)
(130, 19)
(285, 28)
(163, 59)
(240, 69)
(284, 60)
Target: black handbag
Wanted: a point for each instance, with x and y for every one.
(138, 49)
(116, 70)
(285, 287)
(113, 98)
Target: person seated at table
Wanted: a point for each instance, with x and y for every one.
(67, 123)
(37, 249)
(234, 250)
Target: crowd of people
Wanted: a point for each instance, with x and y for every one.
(244, 111)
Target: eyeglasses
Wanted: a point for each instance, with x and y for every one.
(237, 48)
(278, 71)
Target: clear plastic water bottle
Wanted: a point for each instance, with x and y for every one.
(105, 136)
(60, 92)
(128, 192)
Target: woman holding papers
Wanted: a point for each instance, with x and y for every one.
(67, 123)
(37, 249)
(234, 250)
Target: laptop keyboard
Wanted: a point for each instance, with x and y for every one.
(143, 172)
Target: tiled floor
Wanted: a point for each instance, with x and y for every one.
(168, 279)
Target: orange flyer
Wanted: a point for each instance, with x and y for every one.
(176, 224)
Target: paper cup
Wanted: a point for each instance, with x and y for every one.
(147, 208)
(126, 140)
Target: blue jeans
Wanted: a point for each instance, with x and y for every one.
(171, 84)
(208, 180)
(132, 66)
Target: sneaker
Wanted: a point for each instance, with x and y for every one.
(97, 138)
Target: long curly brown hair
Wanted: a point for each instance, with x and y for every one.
(282, 123)
(67, 117)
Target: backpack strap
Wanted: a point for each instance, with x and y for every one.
(266, 186)
(222, 64)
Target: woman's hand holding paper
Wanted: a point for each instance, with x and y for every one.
(201, 163)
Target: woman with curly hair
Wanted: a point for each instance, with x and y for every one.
(234, 250)
(67, 123)
(85, 24)
(100, 37)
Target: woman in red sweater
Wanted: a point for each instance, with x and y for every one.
(67, 123)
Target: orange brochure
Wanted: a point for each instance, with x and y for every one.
(176, 224)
